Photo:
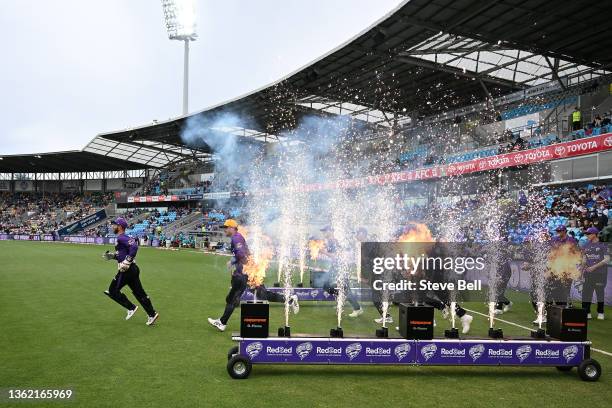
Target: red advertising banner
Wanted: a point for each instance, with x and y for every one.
(541, 154)
(524, 157)
(558, 151)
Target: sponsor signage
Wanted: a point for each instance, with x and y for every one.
(304, 294)
(501, 353)
(164, 198)
(401, 351)
(329, 351)
(541, 154)
(83, 223)
(78, 239)
(523, 157)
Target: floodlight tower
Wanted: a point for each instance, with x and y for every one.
(181, 25)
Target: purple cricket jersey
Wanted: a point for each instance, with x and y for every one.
(594, 252)
(126, 246)
(240, 250)
(556, 240)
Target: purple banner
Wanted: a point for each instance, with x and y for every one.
(328, 351)
(304, 294)
(26, 237)
(400, 351)
(77, 239)
(449, 352)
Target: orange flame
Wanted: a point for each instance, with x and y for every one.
(244, 231)
(420, 238)
(258, 262)
(564, 262)
(417, 233)
(315, 245)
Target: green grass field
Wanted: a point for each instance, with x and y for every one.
(58, 330)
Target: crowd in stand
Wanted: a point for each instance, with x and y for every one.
(37, 213)
(576, 208)
(510, 141)
(523, 215)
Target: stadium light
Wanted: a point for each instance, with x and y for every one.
(181, 25)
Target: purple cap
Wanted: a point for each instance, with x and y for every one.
(121, 221)
(592, 230)
(561, 228)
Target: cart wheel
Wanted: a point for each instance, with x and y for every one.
(589, 370)
(564, 368)
(239, 367)
(233, 351)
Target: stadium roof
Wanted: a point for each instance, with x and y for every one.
(424, 58)
(64, 162)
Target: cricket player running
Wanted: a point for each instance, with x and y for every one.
(239, 280)
(128, 274)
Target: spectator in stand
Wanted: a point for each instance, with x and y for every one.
(606, 119)
(519, 143)
(576, 119)
(597, 121)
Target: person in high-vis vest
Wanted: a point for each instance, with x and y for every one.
(576, 119)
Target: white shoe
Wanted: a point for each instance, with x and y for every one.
(498, 312)
(389, 319)
(152, 319)
(508, 307)
(130, 313)
(217, 323)
(466, 321)
(537, 320)
(293, 302)
(356, 313)
(589, 317)
(600, 316)
(445, 312)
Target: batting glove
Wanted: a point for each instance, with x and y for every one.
(109, 255)
(125, 264)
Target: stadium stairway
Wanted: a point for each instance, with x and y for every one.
(183, 224)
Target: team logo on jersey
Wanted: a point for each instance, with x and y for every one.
(523, 352)
(303, 350)
(254, 349)
(570, 352)
(402, 351)
(429, 351)
(476, 351)
(353, 350)
(131, 241)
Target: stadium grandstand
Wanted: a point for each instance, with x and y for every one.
(480, 92)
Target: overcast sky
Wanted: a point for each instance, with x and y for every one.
(74, 68)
